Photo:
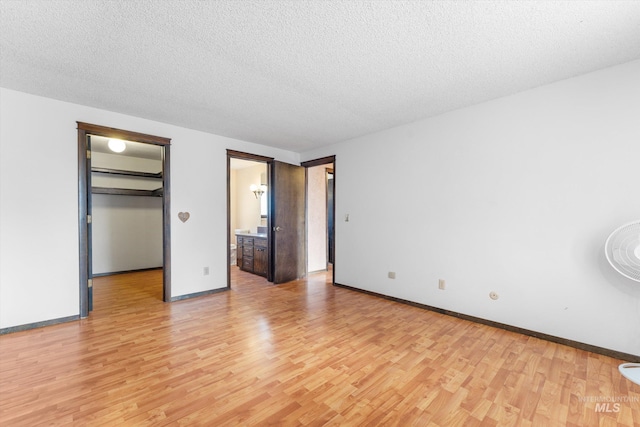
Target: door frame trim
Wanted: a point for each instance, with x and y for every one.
(319, 162)
(85, 129)
(331, 254)
(233, 154)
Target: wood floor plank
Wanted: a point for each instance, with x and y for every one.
(301, 353)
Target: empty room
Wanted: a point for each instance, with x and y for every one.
(319, 213)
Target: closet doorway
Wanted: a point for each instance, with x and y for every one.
(124, 206)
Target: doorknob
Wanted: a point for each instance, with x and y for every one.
(277, 228)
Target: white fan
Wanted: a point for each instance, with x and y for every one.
(623, 250)
(630, 371)
(623, 253)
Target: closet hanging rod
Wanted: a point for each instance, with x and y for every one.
(127, 192)
(109, 171)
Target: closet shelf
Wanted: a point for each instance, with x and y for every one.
(109, 171)
(127, 192)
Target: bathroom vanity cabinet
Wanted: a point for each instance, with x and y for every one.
(252, 255)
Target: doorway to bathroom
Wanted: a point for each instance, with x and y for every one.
(282, 243)
(248, 211)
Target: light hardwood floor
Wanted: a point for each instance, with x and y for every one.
(301, 353)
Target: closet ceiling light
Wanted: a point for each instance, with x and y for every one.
(117, 145)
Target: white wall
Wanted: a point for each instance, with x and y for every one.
(233, 205)
(247, 208)
(127, 233)
(516, 195)
(39, 204)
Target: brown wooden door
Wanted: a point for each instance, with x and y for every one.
(287, 222)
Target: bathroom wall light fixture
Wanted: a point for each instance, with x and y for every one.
(116, 145)
(258, 191)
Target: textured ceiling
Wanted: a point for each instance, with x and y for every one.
(301, 74)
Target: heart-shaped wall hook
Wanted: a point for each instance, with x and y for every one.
(184, 216)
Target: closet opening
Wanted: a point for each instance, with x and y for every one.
(124, 206)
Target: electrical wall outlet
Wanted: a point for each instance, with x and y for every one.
(392, 275)
(442, 284)
(205, 271)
